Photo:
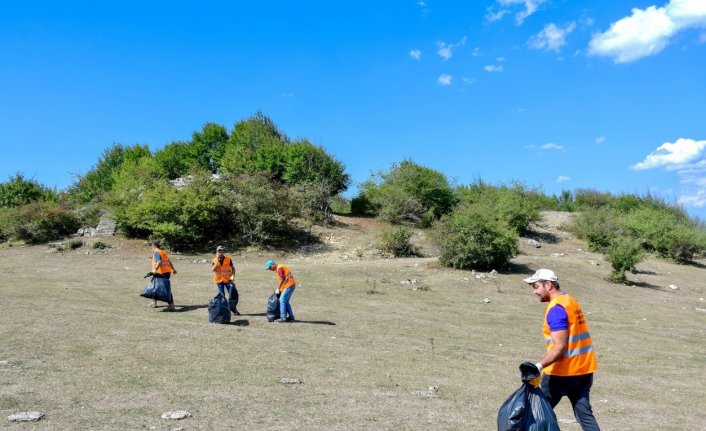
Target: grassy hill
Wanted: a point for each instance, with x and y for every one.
(381, 343)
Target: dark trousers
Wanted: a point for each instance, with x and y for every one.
(232, 294)
(577, 389)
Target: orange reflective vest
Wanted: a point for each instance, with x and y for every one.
(285, 272)
(164, 266)
(579, 358)
(223, 271)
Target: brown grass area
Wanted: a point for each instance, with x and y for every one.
(80, 345)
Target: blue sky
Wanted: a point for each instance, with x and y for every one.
(558, 94)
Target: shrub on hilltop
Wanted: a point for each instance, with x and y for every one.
(406, 194)
(473, 238)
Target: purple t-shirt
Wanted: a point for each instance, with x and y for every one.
(557, 319)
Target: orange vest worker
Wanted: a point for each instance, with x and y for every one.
(224, 271)
(163, 266)
(285, 272)
(579, 358)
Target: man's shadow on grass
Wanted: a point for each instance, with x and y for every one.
(311, 322)
(182, 308)
(645, 285)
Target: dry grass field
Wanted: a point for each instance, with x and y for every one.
(79, 344)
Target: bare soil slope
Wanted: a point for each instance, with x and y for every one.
(380, 343)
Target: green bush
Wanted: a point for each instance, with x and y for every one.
(255, 146)
(100, 245)
(181, 218)
(589, 198)
(18, 190)
(262, 210)
(307, 164)
(38, 222)
(400, 207)
(624, 254)
(666, 231)
(406, 194)
(472, 238)
(396, 242)
(75, 244)
(515, 205)
(313, 199)
(175, 160)
(340, 205)
(100, 179)
(242, 210)
(598, 227)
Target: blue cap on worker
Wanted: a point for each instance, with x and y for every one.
(269, 264)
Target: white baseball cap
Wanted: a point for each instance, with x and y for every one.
(542, 274)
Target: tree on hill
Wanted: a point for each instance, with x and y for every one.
(100, 179)
(18, 190)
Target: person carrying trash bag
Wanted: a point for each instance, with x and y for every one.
(223, 275)
(284, 290)
(570, 361)
(527, 409)
(160, 287)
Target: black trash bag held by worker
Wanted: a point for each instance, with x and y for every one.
(527, 409)
(157, 289)
(218, 311)
(273, 308)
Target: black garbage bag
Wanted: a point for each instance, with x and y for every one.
(159, 289)
(273, 308)
(527, 409)
(232, 297)
(218, 311)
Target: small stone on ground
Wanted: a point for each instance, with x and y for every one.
(25, 417)
(176, 415)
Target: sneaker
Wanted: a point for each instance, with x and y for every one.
(171, 308)
(282, 320)
(290, 319)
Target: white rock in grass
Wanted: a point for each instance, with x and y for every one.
(674, 287)
(177, 415)
(290, 381)
(426, 394)
(25, 417)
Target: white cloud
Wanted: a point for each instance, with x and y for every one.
(551, 146)
(476, 51)
(500, 59)
(493, 68)
(467, 81)
(601, 139)
(696, 199)
(415, 54)
(552, 37)
(647, 31)
(530, 7)
(562, 179)
(686, 157)
(702, 38)
(444, 79)
(493, 16)
(673, 156)
(445, 50)
(288, 94)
